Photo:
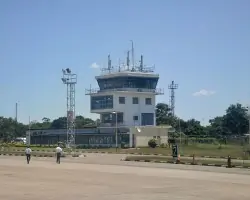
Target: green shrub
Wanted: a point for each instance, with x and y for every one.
(163, 145)
(152, 143)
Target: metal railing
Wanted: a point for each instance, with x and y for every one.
(157, 91)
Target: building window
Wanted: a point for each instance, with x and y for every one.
(101, 102)
(121, 100)
(135, 118)
(111, 117)
(148, 101)
(147, 119)
(135, 100)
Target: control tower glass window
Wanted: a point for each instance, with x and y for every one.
(111, 118)
(128, 82)
(101, 102)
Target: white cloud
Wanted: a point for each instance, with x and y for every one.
(204, 92)
(94, 65)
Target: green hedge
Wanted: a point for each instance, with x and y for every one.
(186, 140)
(24, 145)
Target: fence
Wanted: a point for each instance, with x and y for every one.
(103, 140)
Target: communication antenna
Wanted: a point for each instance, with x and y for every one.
(70, 80)
(119, 66)
(109, 63)
(133, 56)
(128, 61)
(172, 87)
(141, 64)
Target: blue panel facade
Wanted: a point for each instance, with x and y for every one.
(128, 82)
(95, 140)
(147, 119)
(102, 102)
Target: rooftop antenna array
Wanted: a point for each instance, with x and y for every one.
(172, 87)
(70, 80)
(127, 67)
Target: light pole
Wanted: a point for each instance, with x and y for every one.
(116, 138)
(248, 115)
(30, 124)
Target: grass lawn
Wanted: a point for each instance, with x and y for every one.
(201, 161)
(199, 150)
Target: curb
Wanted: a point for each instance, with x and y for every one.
(148, 154)
(37, 155)
(187, 163)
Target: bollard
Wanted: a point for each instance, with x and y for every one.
(229, 163)
(193, 159)
(178, 161)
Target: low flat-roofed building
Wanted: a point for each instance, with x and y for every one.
(101, 137)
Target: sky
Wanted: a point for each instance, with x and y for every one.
(204, 46)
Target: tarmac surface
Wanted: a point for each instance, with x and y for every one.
(105, 177)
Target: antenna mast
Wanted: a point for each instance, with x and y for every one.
(141, 64)
(172, 87)
(133, 56)
(128, 61)
(119, 67)
(70, 80)
(109, 64)
(16, 112)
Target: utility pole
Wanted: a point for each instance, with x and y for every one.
(248, 115)
(16, 120)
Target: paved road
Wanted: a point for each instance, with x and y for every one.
(105, 177)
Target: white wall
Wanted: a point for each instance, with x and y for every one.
(129, 109)
(146, 133)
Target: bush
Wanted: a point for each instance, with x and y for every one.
(163, 145)
(152, 143)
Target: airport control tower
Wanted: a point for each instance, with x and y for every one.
(126, 94)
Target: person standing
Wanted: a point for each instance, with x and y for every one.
(58, 154)
(28, 154)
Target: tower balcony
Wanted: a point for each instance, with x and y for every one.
(157, 91)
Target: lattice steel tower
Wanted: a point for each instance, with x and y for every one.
(70, 80)
(172, 87)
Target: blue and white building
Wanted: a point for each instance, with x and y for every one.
(125, 101)
(126, 95)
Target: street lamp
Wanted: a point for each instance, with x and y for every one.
(116, 143)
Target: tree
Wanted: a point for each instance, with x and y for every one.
(217, 127)
(9, 129)
(163, 114)
(236, 120)
(81, 122)
(194, 128)
(60, 123)
(46, 120)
